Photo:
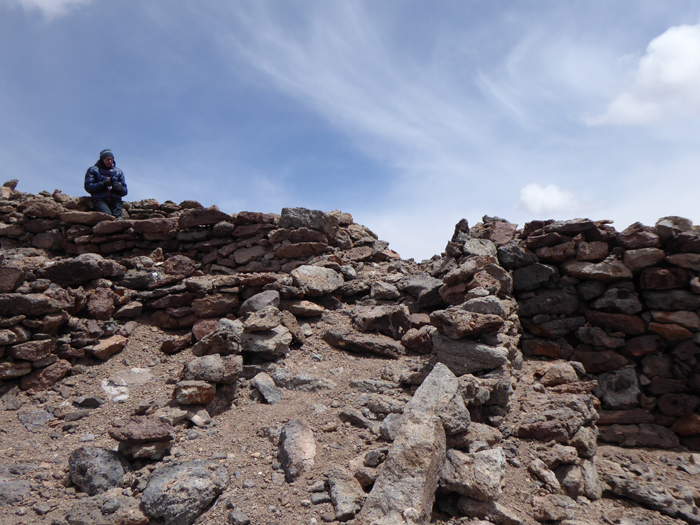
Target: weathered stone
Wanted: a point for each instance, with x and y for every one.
(457, 323)
(13, 370)
(671, 300)
(31, 350)
(466, 357)
(10, 279)
(141, 429)
(213, 368)
(478, 475)
(193, 392)
(689, 320)
(691, 261)
(618, 389)
(297, 448)
(552, 348)
(405, 488)
(628, 324)
(271, 343)
(663, 278)
(621, 300)
(267, 388)
(418, 340)
(316, 280)
(608, 271)
(180, 493)
(359, 342)
(346, 494)
(638, 236)
(670, 332)
(96, 470)
(559, 374)
(293, 218)
(45, 378)
(636, 260)
(424, 288)
(560, 301)
(593, 251)
(553, 329)
(108, 347)
(559, 253)
(218, 305)
(678, 405)
(512, 256)
(595, 336)
(596, 362)
(534, 276)
(390, 320)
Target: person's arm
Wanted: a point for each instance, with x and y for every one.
(119, 183)
(92, 181)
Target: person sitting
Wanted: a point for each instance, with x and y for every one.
(106, 184)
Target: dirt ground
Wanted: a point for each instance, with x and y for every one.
(242, 440)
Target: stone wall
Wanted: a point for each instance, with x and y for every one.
(624, 304)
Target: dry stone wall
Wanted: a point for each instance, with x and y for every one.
(624, 304)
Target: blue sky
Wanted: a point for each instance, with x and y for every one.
(409, 115)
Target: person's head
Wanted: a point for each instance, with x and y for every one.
(107, 157)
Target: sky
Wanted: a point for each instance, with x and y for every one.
(409, 115)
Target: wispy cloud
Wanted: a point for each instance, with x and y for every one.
(547, 199)
(48, 8)
(666, 83)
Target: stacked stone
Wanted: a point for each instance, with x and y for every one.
(626, 306)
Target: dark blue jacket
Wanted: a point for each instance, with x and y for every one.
(96, 177)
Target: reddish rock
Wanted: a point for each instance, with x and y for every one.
(10, 279)
(689, 320)
(593, 251)
(548, 239)
(46, 377)
(638, 236)
(628, 324)
(688, 425)
(663, 385)
(108, 347)
(502, 232)
(179, 265)
(111, 227)
(41, 208)
(624, 417)
(174, 345)
(218, 305)
(559, 253)
(31, 350)
(670, 332)
(141, 429)
(158, 225)
(457, 323)
(419, 320)
(85, 217)
(599, 362)
(552, 348)
(417, 340)
(163, 320)
(664, 278)
(252, 217)
(643, 345)
(101, 304)
(678, 405)
(193, 392)
(204, 327)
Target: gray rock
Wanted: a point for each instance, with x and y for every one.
(180, 493)
(34, 419)
(316, 280)
(396, 497)
(311, 219)
(96, 470)
(271, 343)
(671, 300)
(297, 448)
(618, 389)
(479, 247)
(440, 394)
(266, 386)
(346, 494)
(260, 301)
(463, 356)
(559, 301)
(534, 276)
(213, 368)
(424, 288)
(620, 300)
(390, 320)
(264, 319)
(478, 475)
(390, 426)
(301, 382)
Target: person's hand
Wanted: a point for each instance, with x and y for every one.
(118, 188)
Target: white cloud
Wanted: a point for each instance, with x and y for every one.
(49, 8)
(666, 83)
(538, 199)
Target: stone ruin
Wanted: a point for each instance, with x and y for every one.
(618, 311)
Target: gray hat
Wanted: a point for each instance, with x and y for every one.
(106, 153)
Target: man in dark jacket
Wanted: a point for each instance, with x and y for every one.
(106, 184)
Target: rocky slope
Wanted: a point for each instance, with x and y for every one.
(188, 366)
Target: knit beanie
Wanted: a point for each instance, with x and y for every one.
(106, 153)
